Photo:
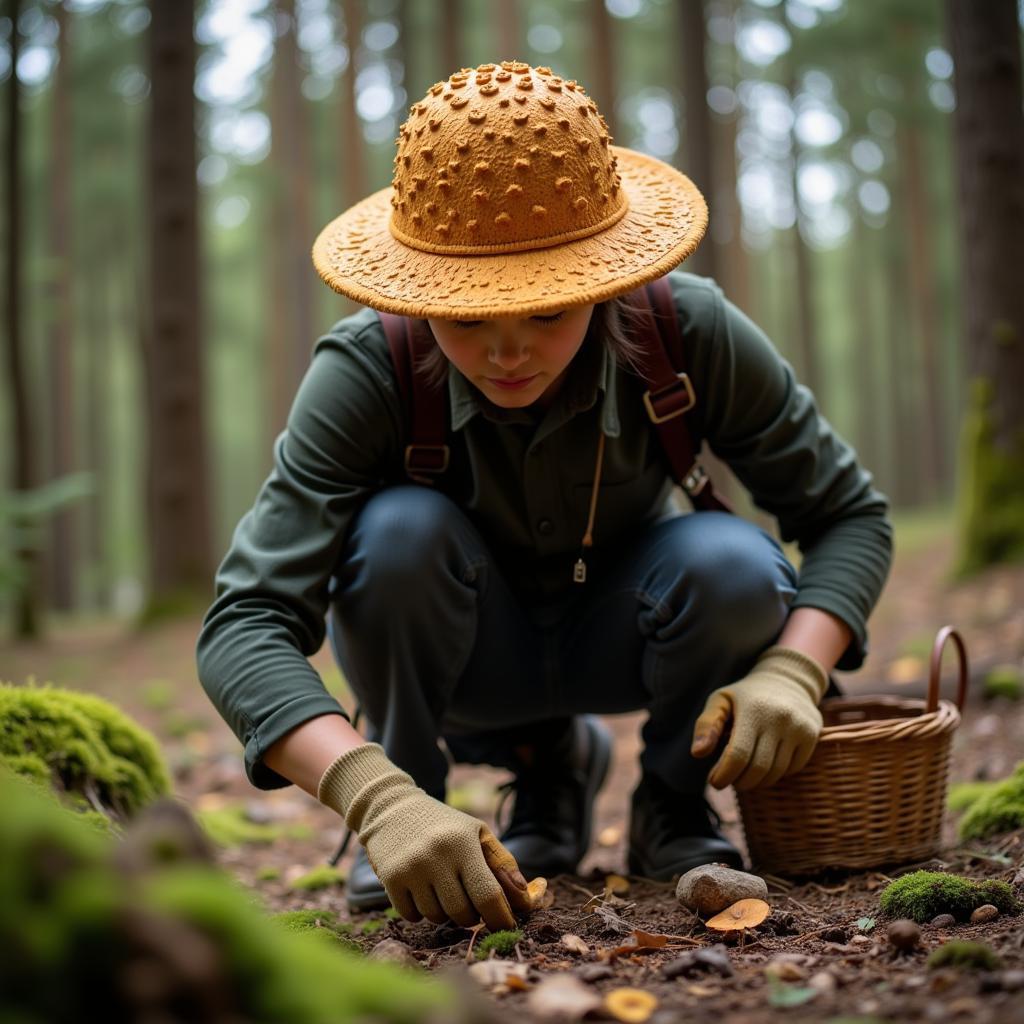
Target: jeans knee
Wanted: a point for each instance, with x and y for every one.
(735, 581)
(401, 536)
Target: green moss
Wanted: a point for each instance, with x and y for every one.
(319, 922)
(268, 874)
(228, 826)
(967, 956)
(158, 694)
(80, 743)
(500, 943)
(1004, 681)
(991, 493)
(999, 809)
(373, 926)
(72, 924)
(321, 877)
(963, 794)
(922, 895)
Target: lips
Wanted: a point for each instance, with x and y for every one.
(511, 383)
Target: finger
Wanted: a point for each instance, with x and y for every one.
(783, 761)
(734, 760)
(804, 752)
(491, 904)
(505, 869)
(456, 901)
(762, 760)
(708, 728)
(429, 905)
(403, 902)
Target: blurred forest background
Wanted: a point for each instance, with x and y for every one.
(168, 165)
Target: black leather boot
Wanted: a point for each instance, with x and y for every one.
(671, 832)
(363, 889)
(554, 788)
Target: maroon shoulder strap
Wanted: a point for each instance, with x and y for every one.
(426, 454)
(670, 393)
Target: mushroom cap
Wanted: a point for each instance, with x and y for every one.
(742, 914)
(537, 890)
(632, 1005)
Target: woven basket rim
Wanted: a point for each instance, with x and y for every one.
(916, 723)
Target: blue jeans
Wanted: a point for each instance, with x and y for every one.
(434, 643)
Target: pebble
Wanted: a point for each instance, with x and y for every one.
(698, 961)
(904, 934)
(823, 982)
(711, 888)
(986, 912)
(395, 952)
(944, 921)
(837, 934)
(593, 972)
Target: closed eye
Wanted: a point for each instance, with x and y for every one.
(554, 318)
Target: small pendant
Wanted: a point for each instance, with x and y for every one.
(579, 571)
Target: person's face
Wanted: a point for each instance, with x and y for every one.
(514, 362)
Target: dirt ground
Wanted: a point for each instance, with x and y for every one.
(816, 958)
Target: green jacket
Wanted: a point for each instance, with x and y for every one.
(526, 485)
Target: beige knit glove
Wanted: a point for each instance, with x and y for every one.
(434, 861)
(775, 720)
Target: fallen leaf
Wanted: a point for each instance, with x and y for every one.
(700, 990)
(782, 995)
(609, 836)
(632, 1005)
(562, 997)
(517, 983)
(575, 943)
(650, 939)
(865, 924)
(616, 884)
(492, 973)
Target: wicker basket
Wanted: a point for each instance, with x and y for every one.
(873, 792)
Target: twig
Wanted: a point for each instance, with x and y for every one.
(829, 892)
(779, 883)
(802, 906)
(474, 932)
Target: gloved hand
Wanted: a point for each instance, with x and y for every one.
(434, 861)
(775, 720)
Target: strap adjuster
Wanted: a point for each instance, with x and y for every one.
(435, 461)
(680, 389)
(695, 481)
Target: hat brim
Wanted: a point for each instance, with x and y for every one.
(357, 255)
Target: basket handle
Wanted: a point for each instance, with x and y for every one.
(944, 635)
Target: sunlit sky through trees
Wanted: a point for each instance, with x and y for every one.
(835, 169)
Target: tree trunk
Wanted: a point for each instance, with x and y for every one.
(696, 160)
(451, 48)
(178, 504)
(989, 133)
(603, 68)
(26, 614)
(865, 350)
(63, 556)
(510, 31)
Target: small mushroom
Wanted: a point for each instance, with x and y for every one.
(537, 891)
(741, 915)
(632, 1005)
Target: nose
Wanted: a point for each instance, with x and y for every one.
(508, 355)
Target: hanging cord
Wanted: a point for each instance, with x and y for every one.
(346, 837)
(579, 570)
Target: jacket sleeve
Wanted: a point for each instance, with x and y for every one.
(271, 595)
(766, 427)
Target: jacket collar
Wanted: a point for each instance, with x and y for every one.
(592, 376)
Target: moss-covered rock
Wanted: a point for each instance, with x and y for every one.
(923, 895)
(966, 956)
(501, 943)
(81, 745)
(84, 940)
(324, 923)
(1000, 808)
(962, 794)
(1005, 681)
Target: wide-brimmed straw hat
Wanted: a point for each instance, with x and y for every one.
(509, 200)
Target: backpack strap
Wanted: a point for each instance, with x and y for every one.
(427, 454)
(670, 395)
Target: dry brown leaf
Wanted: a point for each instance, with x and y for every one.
(650, 939)
(575, 943)
(562, 997)
(632, 1005)
(616, 884)
(700, 990)
(742, 914)
(517, 983)
(492, 973)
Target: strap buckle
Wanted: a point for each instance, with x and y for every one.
(426, 458)
(673, 392)
(695, 481)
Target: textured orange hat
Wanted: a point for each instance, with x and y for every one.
(508, 200)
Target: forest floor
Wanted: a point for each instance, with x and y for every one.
(816, 958)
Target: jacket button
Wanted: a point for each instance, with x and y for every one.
(545, 527)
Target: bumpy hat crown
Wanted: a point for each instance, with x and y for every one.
(503, 158)
(508, 199)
